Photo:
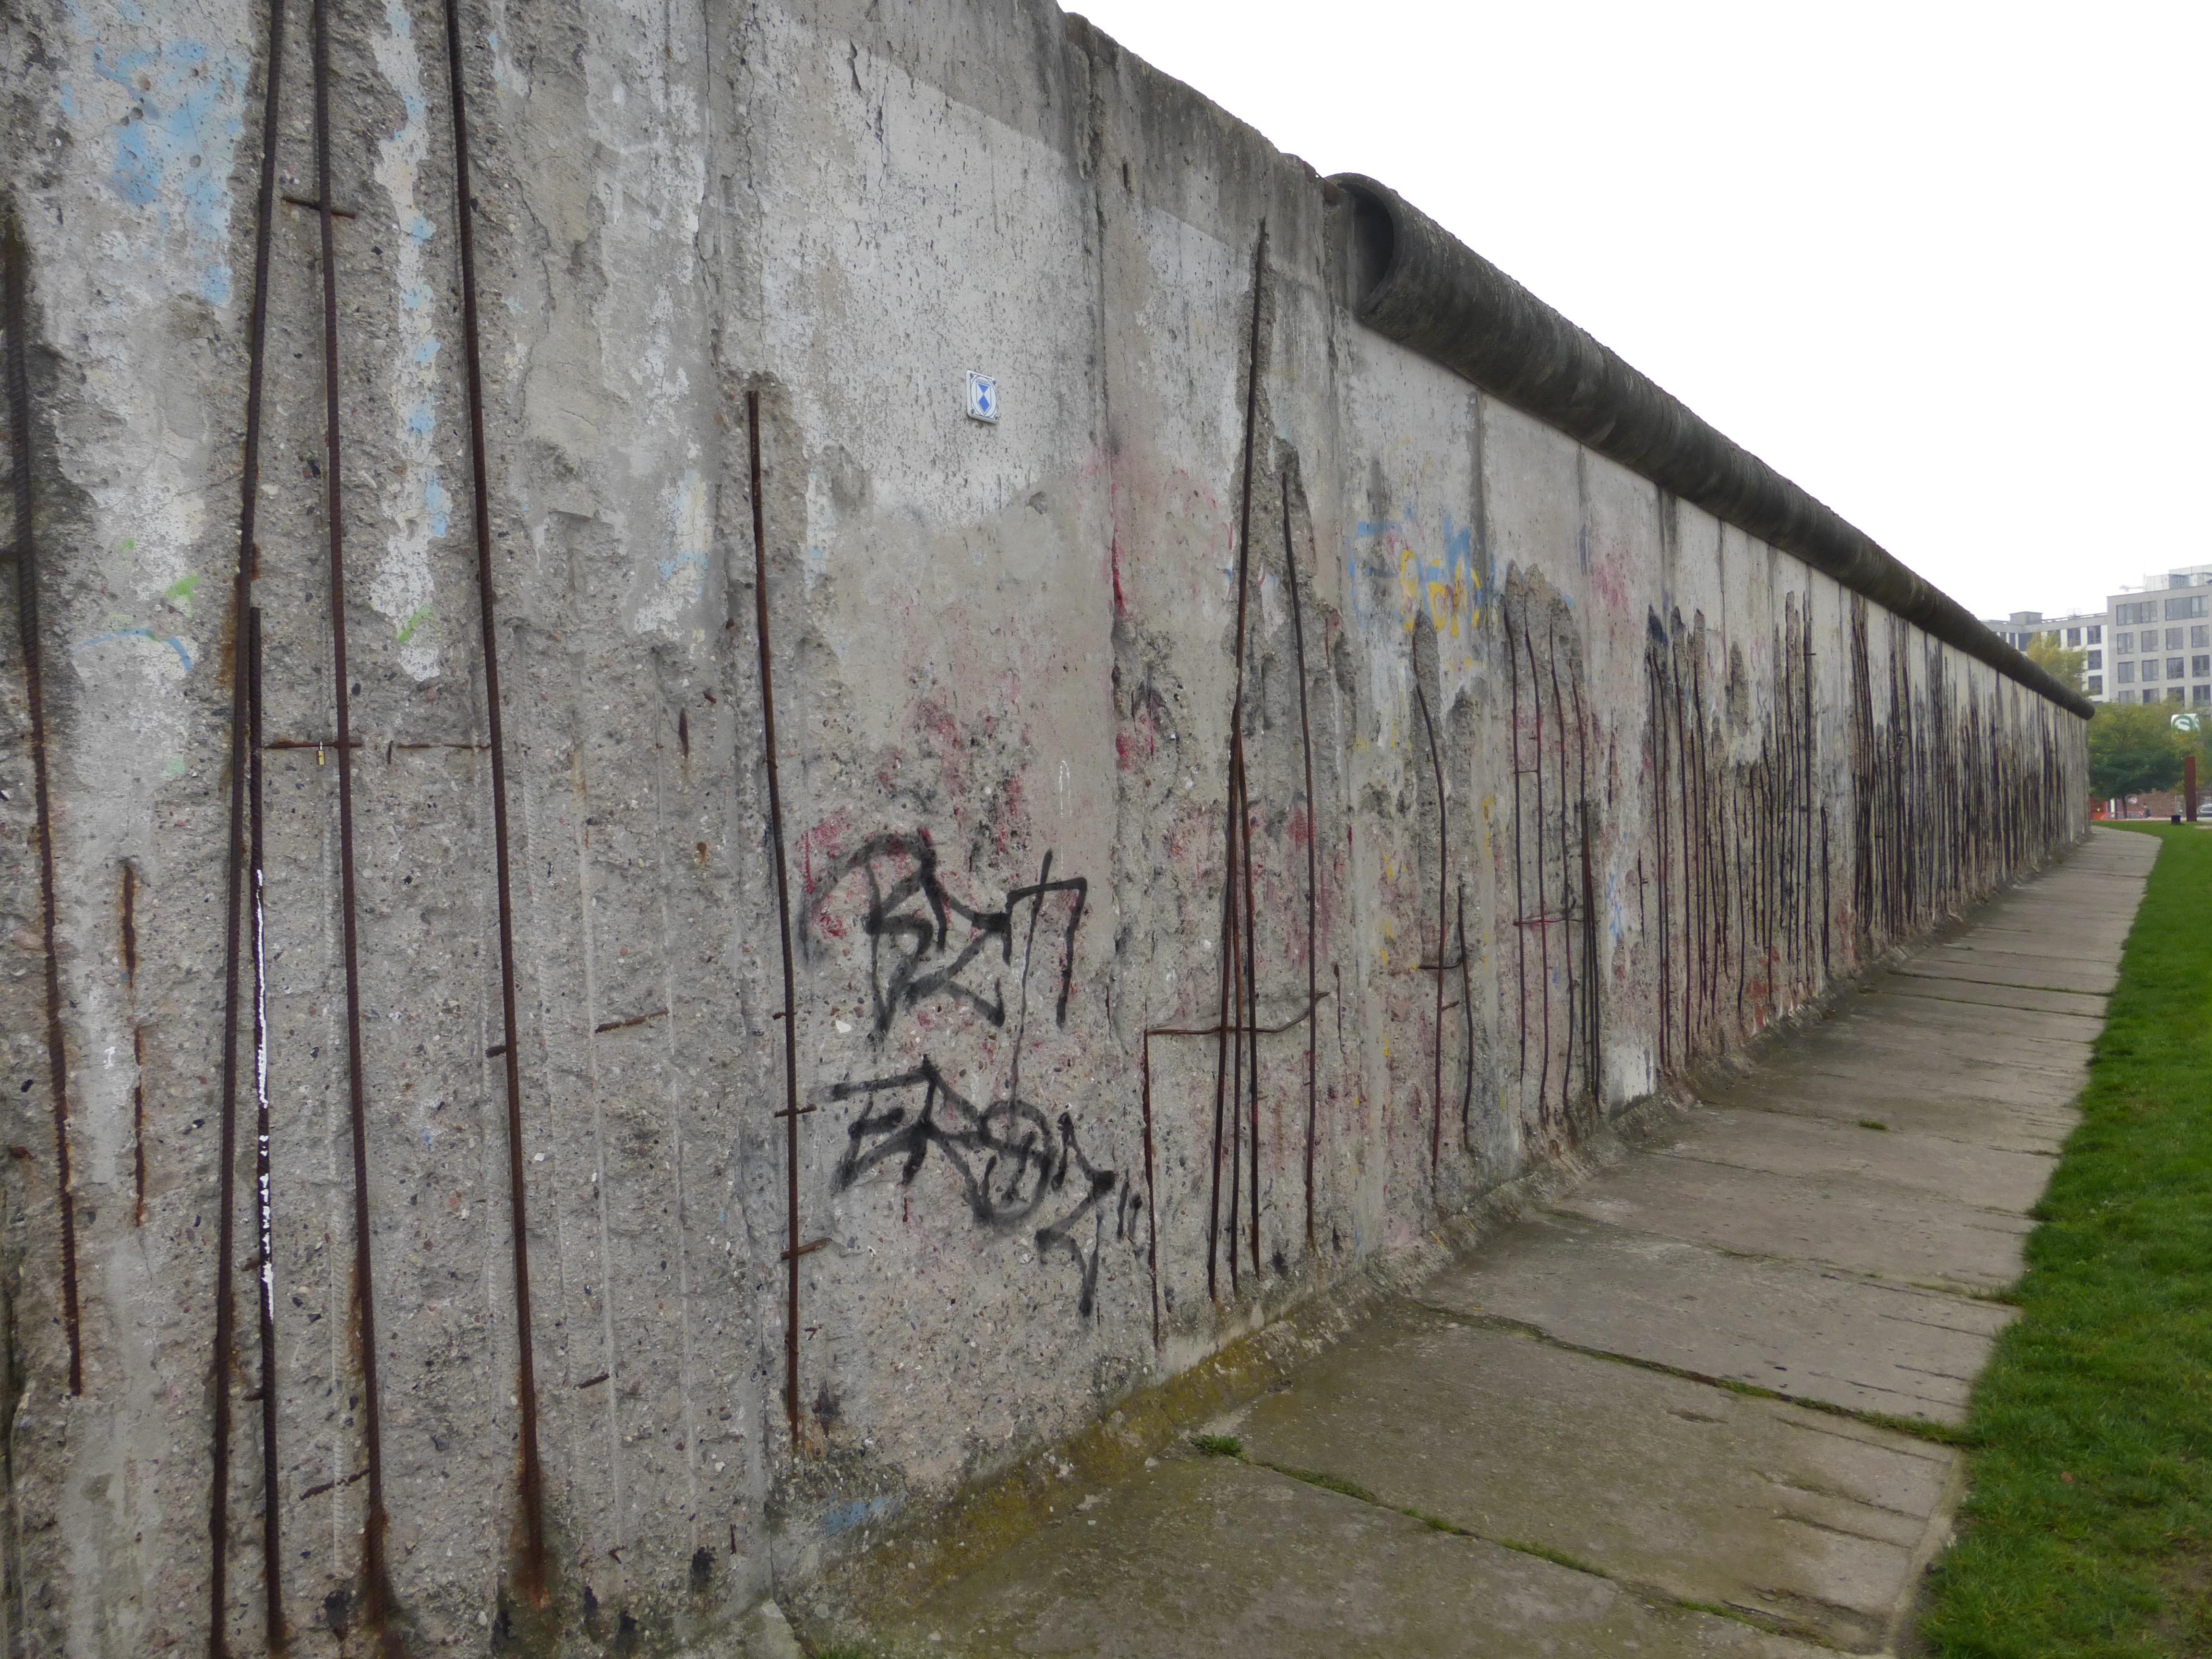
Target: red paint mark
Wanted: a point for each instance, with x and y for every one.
(823, 838)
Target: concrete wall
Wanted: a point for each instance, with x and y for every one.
(1626, 785)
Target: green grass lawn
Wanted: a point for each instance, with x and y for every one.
(2087, 1526)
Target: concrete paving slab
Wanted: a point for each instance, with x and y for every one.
(1812, 1520)
(1851, 1222)
(1787, 1144)
(2062, 934)
(1930, 1074)
(1809, 1332)
(1982, 1121)
(1980, 1052)
(2098, 973)
(1990, 968)
(1926, 1000)
(1211, 1555)
(2089, 1004)
(1999, 1019)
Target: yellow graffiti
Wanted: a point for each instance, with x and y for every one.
(1445, 590)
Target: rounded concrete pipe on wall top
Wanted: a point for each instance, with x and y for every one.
(1416, 283)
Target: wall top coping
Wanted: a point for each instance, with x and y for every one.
(1415, 283)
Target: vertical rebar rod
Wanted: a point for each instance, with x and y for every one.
(223, 1361)
(1313, 861)
(530, 1476)
(1232, 1021)
(1543, 924)
(272, 1556)
(1520, 882)
(1444, 878)
(790, 1113)
(376, 1589)
(1235, 829)
(1466, 1022)
(1221, 1050)
(1570, 1004)
(1592, 1075)
(1248, 962)
(14, 314)
(241, 756)
(1151, 1191)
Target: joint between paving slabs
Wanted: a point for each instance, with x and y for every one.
(1919, 1428)
(1228, 1446)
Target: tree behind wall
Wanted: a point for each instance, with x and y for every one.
(2133, 747)
(2055, 660)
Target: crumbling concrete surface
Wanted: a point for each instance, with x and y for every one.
(1620, 1426)
(1236, 805)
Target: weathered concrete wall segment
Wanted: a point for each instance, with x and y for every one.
(1555, 786)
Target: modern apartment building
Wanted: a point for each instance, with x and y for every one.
(2161, 640)
(2083, 631)
(2149, 644)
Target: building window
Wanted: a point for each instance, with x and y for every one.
(2200, 694)
(2200, 667)
(2192, 606)
(2097, 685)
(2093, 659)
(2097, 635)
(2127, 675)
(2172, 639)
(2124, 643)
(2072, 636)
(2174, 668)
(2128, 614)
(2174, 694)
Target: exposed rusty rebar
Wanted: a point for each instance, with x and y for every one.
(1235, 870)
(264, 1205)
(790, 1113)
(530, 1477)
(1313, 857)
(376, 1585)
(224, 1359)
(1443, 962)
(1146, 1048)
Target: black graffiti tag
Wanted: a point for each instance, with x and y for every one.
(909, 919)
(1010, 1159)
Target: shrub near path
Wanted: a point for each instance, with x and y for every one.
(2088, 1527)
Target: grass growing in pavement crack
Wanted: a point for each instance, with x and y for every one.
(1218, 1445)
(1921, 1428)
(1557, 1557)
(2089, 1513)
(1229, 1446)
(1336, 1483)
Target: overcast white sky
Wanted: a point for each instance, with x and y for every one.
(1944, 264)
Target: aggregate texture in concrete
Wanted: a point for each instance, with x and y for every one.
(1602, 1436)
(641, 944)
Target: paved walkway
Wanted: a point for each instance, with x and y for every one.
(1558, 1404)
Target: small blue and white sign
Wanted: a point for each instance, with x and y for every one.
(982, 397)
